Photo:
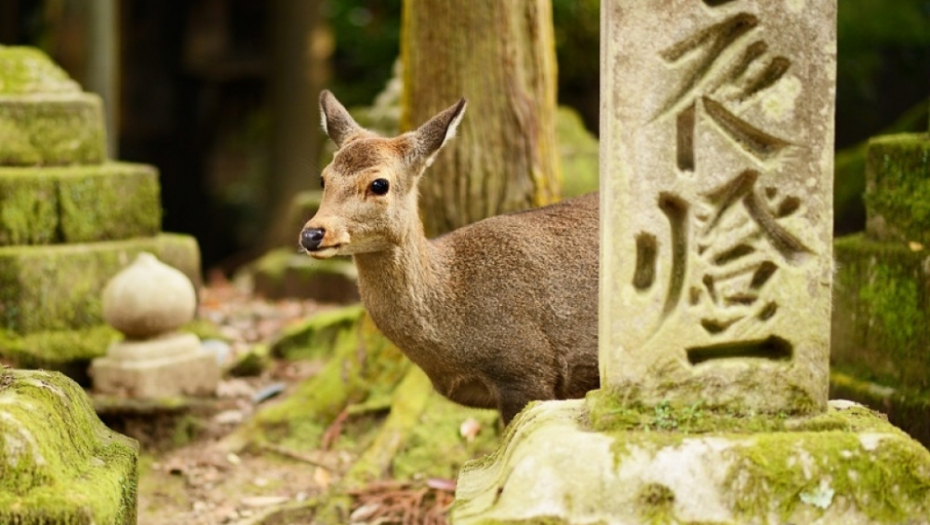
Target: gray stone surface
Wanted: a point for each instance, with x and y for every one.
(716, 220)
(172, 365)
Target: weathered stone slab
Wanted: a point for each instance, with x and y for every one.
(689, 466)
(54, 129)
(286, 273)
(716, 222)
(898, 188)
(70, 204)
(59, 463)
(59, 287)
(880, 328)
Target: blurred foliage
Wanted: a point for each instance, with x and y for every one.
(367, 36)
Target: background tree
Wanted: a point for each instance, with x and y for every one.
(501, 57)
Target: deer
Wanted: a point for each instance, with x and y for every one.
(498, 313)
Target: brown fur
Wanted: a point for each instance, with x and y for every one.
(498, 313)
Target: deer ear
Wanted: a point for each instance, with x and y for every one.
(433, 135)
(337, 123)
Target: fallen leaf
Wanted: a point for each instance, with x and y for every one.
(915, 246)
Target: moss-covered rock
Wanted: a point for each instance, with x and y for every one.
(67, 351)
(45, 119)
(880, 310)
(285, 273)
(27, 70)
(846, 466)
(47, 288)
(51, 130)
(317, 336)
(906, 408)
(111, 201)
(59, 463)
(898, 188)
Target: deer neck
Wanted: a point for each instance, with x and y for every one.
(404, 283)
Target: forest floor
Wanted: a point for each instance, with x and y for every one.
(206, 482)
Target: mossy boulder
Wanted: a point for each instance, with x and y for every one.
(59, 463)
(561, 464)
(880, 310)
(285, 273)
(67, 351)
(906, 408)
(897, 194)
(48, 288)
(45, 119)
(72, 204)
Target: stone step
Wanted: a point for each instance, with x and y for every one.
(897, 195)
(59, 287)
(68, 204)
(285, 273)
(60, 463)
(881, 303)
(45, 119)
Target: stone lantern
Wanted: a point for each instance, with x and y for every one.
(148, 302)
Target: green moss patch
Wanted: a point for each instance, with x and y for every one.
(26, 70)
(906, 408)
(898, 187)
(60, 464)
(317, 336)
(51, 130)
(48, 288)
(112, 201)
(67, 351)
(881, 306)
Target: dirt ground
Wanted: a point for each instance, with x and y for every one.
(205, 483)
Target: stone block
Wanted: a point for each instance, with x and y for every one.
(285, 273)
(72, 204)
(51, 129)
(58, 287)
(168, 366)
(685, 465)
(880, 330)
(897, 193)
(60, 464)
(716, 202)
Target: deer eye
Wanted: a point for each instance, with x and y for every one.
(380, 186)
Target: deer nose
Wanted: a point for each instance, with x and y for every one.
(310, 238)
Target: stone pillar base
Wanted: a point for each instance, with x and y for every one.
(171, 365)
(667, 465)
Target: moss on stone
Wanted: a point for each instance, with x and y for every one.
(898, 187)
(67, 351)
(25, 70)
(253, 362)
(51, 130)
(906, 408)
(112, 201)
(317, 336)
(60, 464)
(881, 306)
(58, 287)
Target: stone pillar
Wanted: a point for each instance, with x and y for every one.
(716, 264)
(716, 202)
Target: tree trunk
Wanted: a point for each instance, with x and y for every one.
(501, 57)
